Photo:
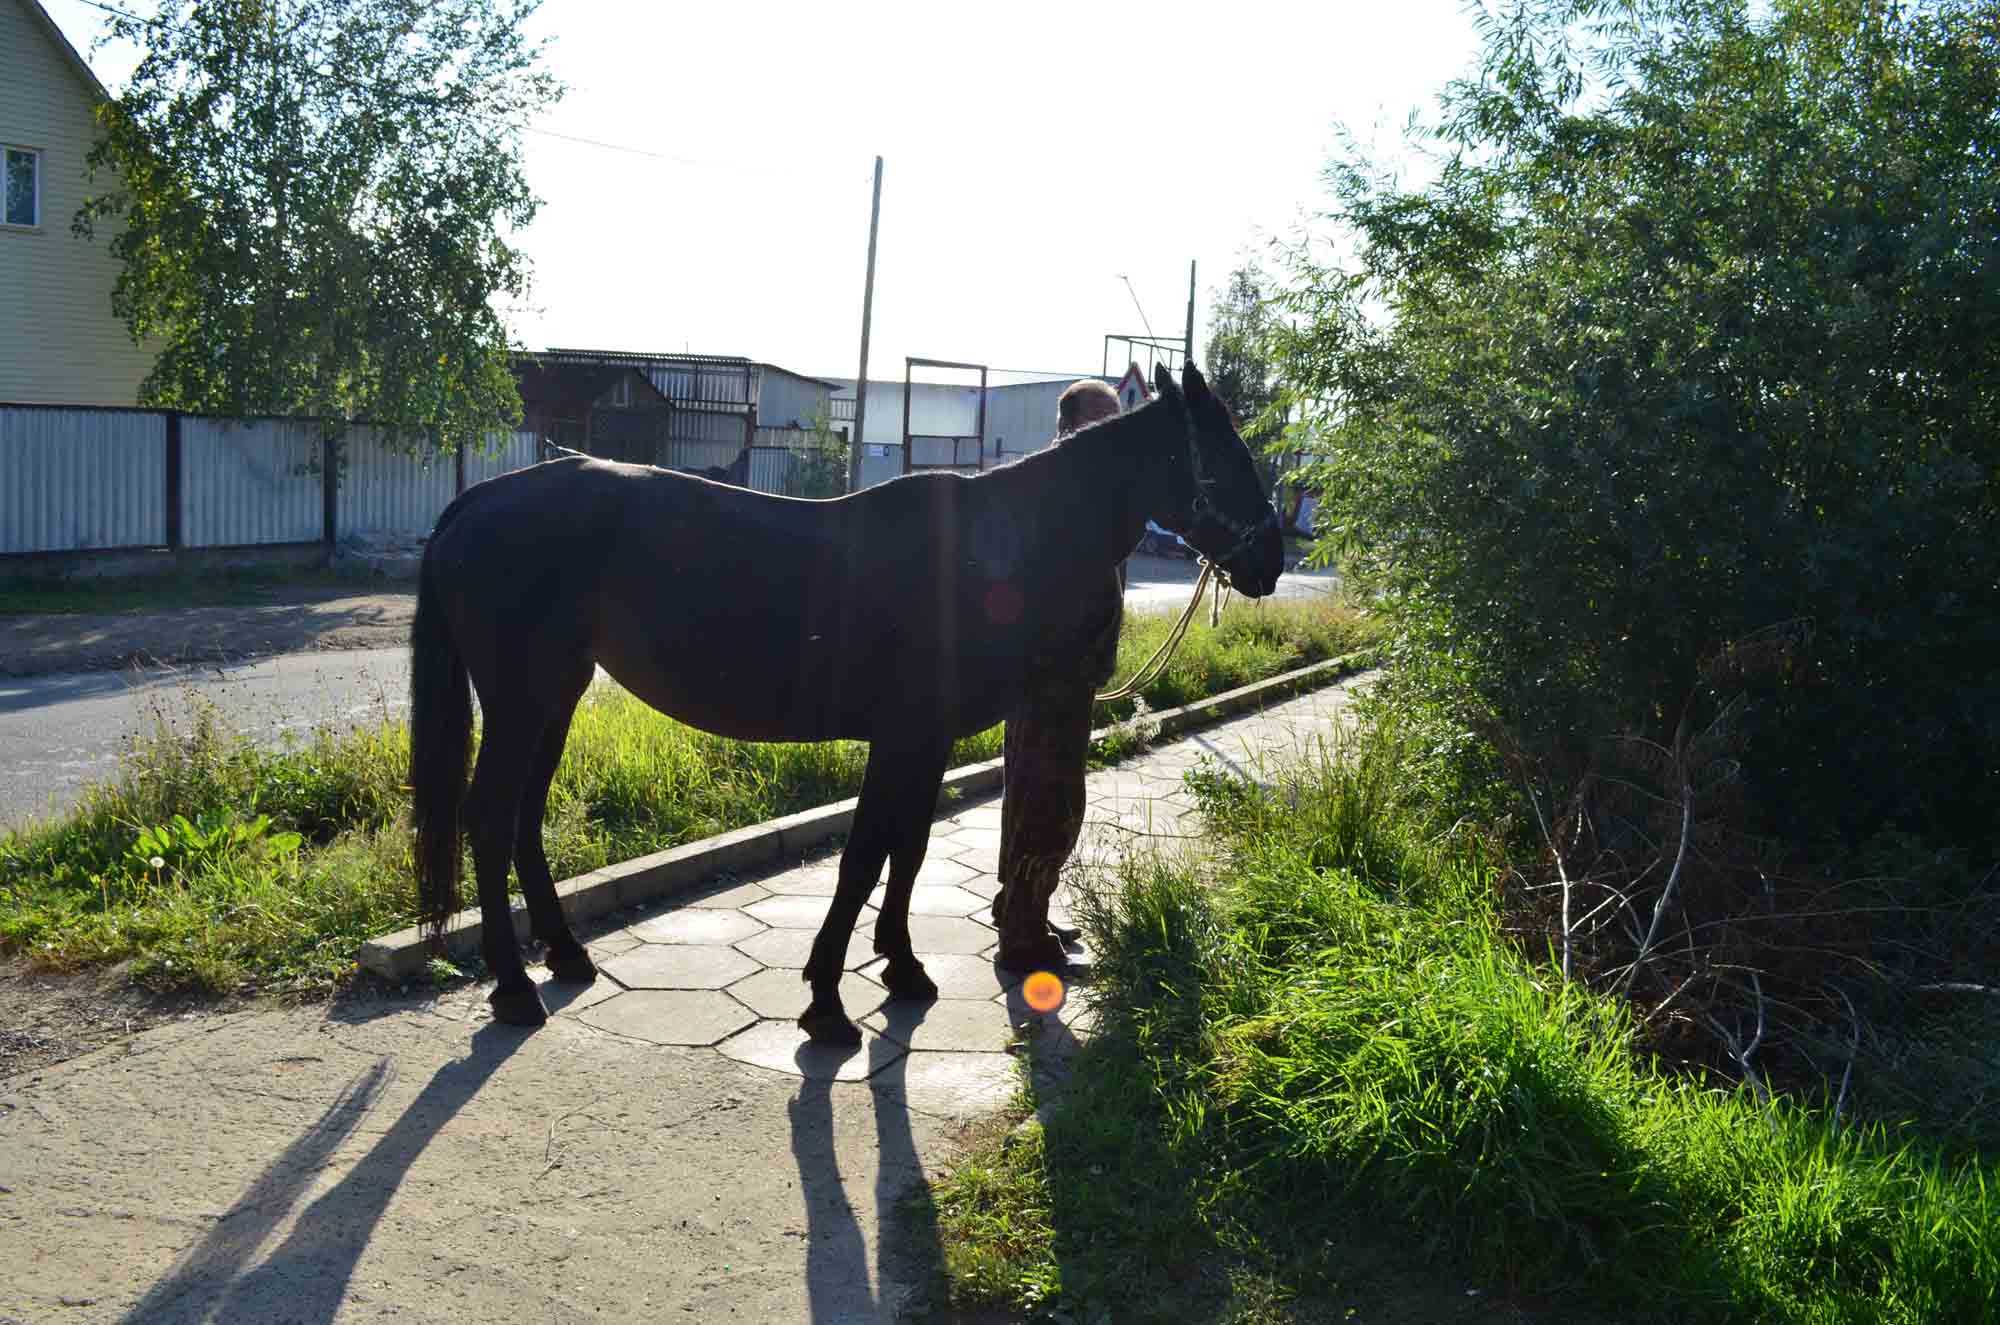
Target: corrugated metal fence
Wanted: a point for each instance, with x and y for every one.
(797, 462)
(76, 480)
(81, 478)
(249, 484)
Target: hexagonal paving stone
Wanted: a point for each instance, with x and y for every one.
(783, 1047)
(943, 872)
(976, 839)
(790, 912)
(673, 1016)
(930, 934)
(984, 859)
(778, 991)
(955, 1025)
(568, 1000)
(610, 945)
(816, 880)
(944, 901)
(792, 947)
(957, 975)
(729, 899)
(979, 816)
(982, 885)
(695, 925)
(679, 966)
(953, 1083)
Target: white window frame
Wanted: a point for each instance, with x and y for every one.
(37, 154)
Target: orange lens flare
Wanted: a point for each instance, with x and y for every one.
(1043, 991)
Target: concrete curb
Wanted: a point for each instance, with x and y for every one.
(403, 954)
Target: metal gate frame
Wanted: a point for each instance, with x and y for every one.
(979, 437)
(1173, 350)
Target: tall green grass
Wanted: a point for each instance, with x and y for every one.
(246, 904)
(1333, 1043)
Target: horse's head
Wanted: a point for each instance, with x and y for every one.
(1216, 502)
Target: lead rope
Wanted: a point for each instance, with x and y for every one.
(1150, 670)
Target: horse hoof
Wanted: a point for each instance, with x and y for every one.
(1043, 954)
(909, 982)
(518, 1007)
(829, 1026)
(572, 965)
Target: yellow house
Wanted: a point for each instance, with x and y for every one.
(59, 340)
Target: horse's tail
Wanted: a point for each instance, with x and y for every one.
(440, 750)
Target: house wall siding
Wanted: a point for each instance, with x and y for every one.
(59, 342)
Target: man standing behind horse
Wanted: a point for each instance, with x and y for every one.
(1048, 738)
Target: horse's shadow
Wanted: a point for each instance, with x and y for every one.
(841, 1285)
(306, 1278)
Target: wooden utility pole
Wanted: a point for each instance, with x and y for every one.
(1190, 321)
(856, 444)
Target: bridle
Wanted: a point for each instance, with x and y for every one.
(1202, 509)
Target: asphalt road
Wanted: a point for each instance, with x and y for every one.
(58, 734)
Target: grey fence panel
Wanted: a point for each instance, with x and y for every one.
(517, 450)
(73, 480)
(245, 483)
(771, 470)
(705, 427)
(701, 455)
(931, 450)
(386, 489)
(797, 462)
(691, 382)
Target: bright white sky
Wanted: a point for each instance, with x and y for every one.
(1032, 156)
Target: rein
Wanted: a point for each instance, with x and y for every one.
(1150, 670)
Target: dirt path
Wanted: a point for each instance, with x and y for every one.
(666, 1148)
(298, 620)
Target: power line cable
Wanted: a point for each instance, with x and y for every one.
(1135, 303)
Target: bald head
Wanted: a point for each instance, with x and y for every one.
(1086, 402)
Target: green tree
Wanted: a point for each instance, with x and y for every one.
(312, 201)
(1239, 365)
(819, 469)
(1694, 332)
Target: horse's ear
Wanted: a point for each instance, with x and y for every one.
(1163, 382)
(1193, 382)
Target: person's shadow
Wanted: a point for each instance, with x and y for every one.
(306, 1278)
(841, 1285)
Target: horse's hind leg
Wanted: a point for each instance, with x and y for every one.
(492, 809)
(567, 960)
(904, 975)
(900, 787)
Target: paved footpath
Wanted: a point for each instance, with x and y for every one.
(666, 1148)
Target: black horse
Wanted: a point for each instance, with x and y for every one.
(906, 616)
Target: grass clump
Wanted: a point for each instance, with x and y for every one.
(274, 865)
(1331, 1054)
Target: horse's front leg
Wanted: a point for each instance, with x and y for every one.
(898, 799)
